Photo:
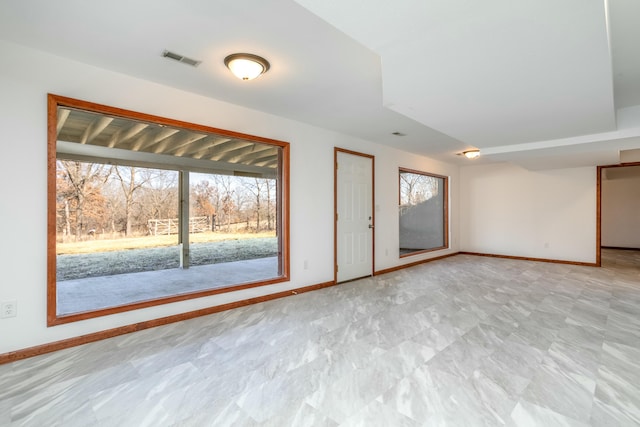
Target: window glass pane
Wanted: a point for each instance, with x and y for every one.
(422, 216)
(233, 220)
(107, 224)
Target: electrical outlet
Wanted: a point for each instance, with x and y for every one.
(8, 309)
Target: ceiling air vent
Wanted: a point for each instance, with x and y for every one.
(180, 58)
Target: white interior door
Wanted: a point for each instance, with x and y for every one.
(354, 220)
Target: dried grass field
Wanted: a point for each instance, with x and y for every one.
(93, 258)
(90, 245)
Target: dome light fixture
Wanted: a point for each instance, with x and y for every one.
(246, 66)
(471, 154)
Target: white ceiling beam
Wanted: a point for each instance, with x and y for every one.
(133, 131)
(263, 161)
(152, 137)
(220, 149)
(256, 154)
(238, 152)
(179, 141)
(203, 146)
(63, 115)
(96, 153)
(93, 130)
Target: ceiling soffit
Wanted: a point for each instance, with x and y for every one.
(488, 73)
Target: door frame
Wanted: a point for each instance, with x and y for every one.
(599, 207)
(337, 150)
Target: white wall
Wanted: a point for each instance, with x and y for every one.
(507, 210)
(621, 207)
(26, 76)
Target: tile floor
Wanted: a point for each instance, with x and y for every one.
(464, 341)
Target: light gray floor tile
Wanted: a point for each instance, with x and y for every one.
(463, 341)
(379, 414)
(422, 394)
(618, 383)
(564, 392)
(527, 414)
(608, 415)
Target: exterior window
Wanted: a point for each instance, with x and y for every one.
(423, 211)
(145, 210)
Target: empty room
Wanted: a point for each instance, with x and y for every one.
(311, 213)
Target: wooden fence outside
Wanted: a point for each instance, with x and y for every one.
(160, 227)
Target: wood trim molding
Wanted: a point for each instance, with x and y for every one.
(598, 216)
(55, 101)
(335, 214)
(52, 133)
(599, 206)
(424, 251)
(60, 320)
(413, 264)
(618, 248)
(553, 261)
(355, 153)
(419, 172)
(445, 210)
(337, 150)
(123, 330)
(620, 165)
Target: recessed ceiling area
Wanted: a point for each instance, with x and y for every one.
(541, 69)
(522, 81)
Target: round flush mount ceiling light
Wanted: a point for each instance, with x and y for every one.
(471, 154)
(246, 66)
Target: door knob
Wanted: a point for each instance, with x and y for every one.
(371, 226)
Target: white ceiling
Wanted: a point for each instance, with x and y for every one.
(524, 81)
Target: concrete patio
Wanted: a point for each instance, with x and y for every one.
(94, 293)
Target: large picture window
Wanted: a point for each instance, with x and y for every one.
(145, 210)
(423, 212)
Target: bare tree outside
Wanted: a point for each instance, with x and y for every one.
(261, 193)
(159, 197)
(416, 188)
(80, 191)
(227, 189)
(130, 183)
(203, 197)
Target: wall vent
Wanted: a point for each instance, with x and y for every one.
(180, 58)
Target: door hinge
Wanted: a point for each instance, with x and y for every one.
(336, 216)
(337, 268)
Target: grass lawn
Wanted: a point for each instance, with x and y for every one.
(138, 255)
(107, 245)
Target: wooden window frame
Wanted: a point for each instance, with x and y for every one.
(445, 212)
(282, 223)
